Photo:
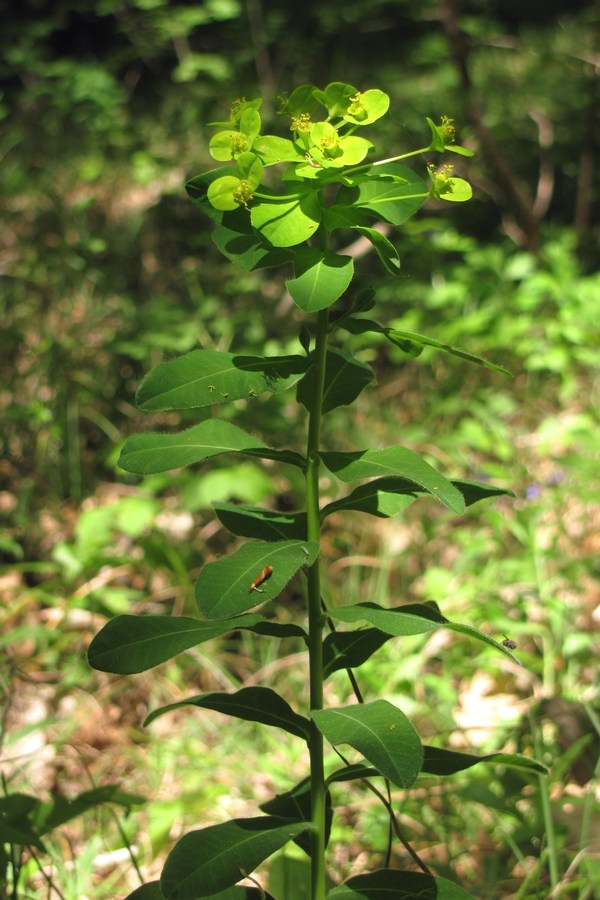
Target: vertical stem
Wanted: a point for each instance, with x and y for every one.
(547, 818)
(315, 616)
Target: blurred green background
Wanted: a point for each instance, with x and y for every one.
(106, 269)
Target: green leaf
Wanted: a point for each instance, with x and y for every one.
(368, 106)
(248, 250)
(406, 340)
(336, 98)
(385, 884)
(227, 145)
(398, 462)
(157, 452)
(61, 809)
(384, 248)
(224, 193)
(442, 138)
(386, 497)
(254, 704)
(197, 190)
(205, 377)
(438, 141)
(288, 219)
(240, 892)
(149, 891)
(350, 649)
(437, 761)
(474, 491)
(250, 123)
(301, 100)
(379, 731)
(272, 150)
(262, 524)
(345, 378)
(212, 859)
(383, 497)
(363, 300)
(276, 629)
(460, 190)
(296, 805)
(461, 151)
(321, 278)
(340, 216)
(354, 772)
(223, 587)
(15, 825)
(331, 150)
(130, 644)
(411, 618)
(395, 198)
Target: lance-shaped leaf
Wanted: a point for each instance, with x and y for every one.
(212, 859)
(383, 247)
(379, 731)
(412, 343)
(17, 812)
(248, 250)
(392, 192)
(387, 883)
(353, 772)
(383, 497)
(345, 378)
(286, 219)
(296, 805)
(149, 891)
(262, 524)
(130, 644)
(242, 892)
(406, 340)
(349, 649)
(438, 761)
(398, 462)
(412, 618)
(204, 377)
(386, 497)
(158, 452)
(60, 809)
(474, 491)
(321, 278)
(255, 704)
(224, 587)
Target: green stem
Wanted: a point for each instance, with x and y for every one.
(315, 616)
(546, 809)
(353, 170)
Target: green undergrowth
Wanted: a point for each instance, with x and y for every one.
(526, 569)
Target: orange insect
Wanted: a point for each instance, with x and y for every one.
(264, 575)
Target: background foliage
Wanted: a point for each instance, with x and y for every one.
(107, 269)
